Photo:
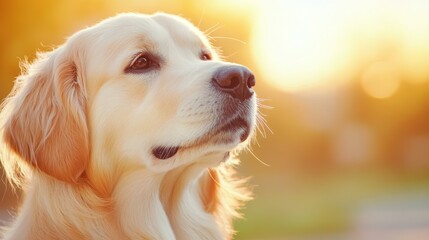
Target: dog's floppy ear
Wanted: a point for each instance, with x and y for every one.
(47, 125)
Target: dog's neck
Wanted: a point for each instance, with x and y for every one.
(169, 205)
(185, 206)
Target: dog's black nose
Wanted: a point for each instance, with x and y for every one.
(237, 81)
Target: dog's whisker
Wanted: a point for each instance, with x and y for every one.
(265, 125)
(229, 38)
(212, 29)
(259, 160)
(220, 53)
(260, 128)
(262, 122)
(265, 106)
(261, 105)
(230, 55)
(201, 17)
(260, 118)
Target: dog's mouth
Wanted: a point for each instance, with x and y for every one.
(163, 152)
(166, 152)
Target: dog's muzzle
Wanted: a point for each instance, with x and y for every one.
(237, 83)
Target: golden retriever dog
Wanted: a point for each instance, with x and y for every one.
(129, 130)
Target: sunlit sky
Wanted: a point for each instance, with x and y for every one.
(300, 45)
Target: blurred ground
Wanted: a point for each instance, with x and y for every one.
(343, 206)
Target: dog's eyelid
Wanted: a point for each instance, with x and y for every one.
(149, 55)
(152, 62)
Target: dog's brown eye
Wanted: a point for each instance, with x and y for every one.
(206, 57)
(142, 63)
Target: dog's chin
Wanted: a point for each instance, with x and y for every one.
(228, 134)
(234, 126)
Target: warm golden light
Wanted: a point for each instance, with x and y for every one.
(300, 45)
(381, 80)
(346, 84)
(299, 49)
(414, 51)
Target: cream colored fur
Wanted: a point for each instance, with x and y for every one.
(78, 131)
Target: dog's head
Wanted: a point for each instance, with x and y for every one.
(148, 90)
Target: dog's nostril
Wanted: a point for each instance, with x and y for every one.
(251, 82)
(234, 82)
(228, 82)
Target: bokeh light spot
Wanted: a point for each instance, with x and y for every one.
(381, 80)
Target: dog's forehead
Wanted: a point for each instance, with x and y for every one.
(180, 29)
(154, 29)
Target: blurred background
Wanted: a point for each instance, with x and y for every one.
(347, 83)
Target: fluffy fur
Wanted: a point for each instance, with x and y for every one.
(79, 129)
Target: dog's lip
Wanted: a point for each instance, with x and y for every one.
(166, 152)
(230, 126)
